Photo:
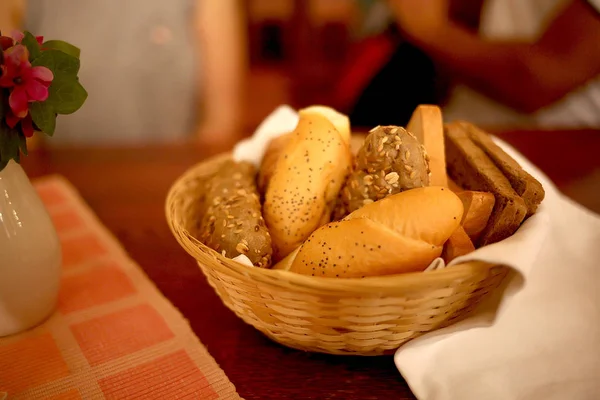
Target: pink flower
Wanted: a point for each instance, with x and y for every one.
(5, 42)
(26, 123)
(28, 83)
(18, 37)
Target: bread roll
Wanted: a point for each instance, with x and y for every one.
(427, 124)
(269, 161)
(390, 161)
(457, 245)
(339, 120)
(404, 232)
(305, 183)
(276, 145)
(478, 209)
(232, 223)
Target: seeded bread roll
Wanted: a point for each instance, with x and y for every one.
(390, 161)
(269, 161)
(232, 223)
(340, 121)
(402, 233)
(305, 182)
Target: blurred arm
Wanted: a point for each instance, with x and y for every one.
(221, 37)
(525, 76)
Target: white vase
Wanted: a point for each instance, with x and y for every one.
(30, 254)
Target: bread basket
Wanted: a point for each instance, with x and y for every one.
(369, 316)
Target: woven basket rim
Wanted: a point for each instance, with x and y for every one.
(378, 284)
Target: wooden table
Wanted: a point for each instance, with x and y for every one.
(127, 187)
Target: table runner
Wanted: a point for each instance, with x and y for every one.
(113, 334)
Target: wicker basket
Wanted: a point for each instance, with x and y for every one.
(369, 316)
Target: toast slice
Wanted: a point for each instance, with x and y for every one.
(427, 125)
(472, 169)
(523, 183)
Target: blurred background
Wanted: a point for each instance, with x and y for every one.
(169, 71)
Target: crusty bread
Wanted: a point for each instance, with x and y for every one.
(472, 169)
(404, 232)
(478, 209)
(457, 245)
(232, 223)
(269, 161)
(523, 183)
(306, 180)
(390, 160)
(427, 125)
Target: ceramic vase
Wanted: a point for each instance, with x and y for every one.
(30, 254)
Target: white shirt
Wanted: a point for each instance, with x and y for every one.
(526, 19)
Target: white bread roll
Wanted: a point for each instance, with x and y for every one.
(339, 120)
(269, 161)
(458, 245)
(402, 233)
(427, 124)
(305, 182)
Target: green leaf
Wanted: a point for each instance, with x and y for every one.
(66, 95)
(9, 143)
(61, 64)
(32, 45)
(12, 143)
(62, 46)
(43, 116)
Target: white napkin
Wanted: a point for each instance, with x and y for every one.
(283, 119)
(537, 339)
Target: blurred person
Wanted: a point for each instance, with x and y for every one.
(156, 71)
(513, 62)
(533, 62)
(386, 76)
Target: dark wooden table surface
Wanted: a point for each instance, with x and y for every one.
(127, 187)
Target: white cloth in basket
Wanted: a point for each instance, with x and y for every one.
(542, 341)
(538, 337)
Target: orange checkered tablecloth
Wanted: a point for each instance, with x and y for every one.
(113, 334)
